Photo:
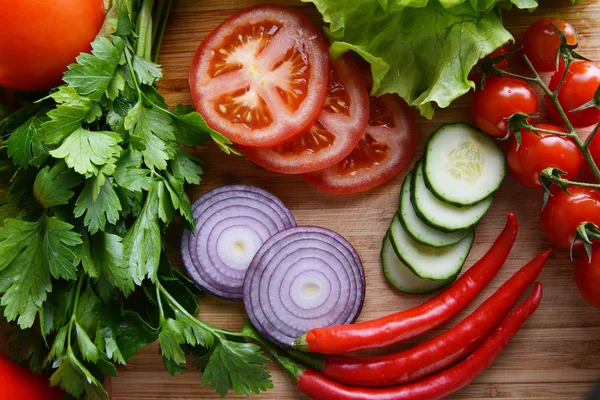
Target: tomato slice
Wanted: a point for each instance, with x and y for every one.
(383, 151)
(260, 78)
(336, 132)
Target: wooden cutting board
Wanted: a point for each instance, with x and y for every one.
(557, 352)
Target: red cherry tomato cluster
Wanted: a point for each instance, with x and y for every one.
(295, 114)
(570, 205)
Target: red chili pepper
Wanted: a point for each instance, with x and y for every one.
(440, 385)
(19, 383)
(406, 324)
(441, 351)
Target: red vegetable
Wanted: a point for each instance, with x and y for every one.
(564, 212)
(406, 324)
(18, 383)
(437, 386)
(539, 151)
(39, 38)
(587, 276)
(541, 42)
(580, 85)
(502, 97)
(441, 351)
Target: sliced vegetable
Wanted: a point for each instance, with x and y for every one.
(441, 215)
(300, 279)
(430, 262)
(260, 78)
(232, 224)
(409, 323)
(462, 166)
(402, 277)
(416, 228)
(336, 132)
(438, 386)
(442, 351)
(383, 151)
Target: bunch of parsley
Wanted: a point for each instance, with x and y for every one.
(90, 177)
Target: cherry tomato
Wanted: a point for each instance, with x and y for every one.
(587, 276)
(476, 76)
(19, 383)
(384, 149)
(260, 78)
(332, 137)
(580, 85)
(539, 151)
(39, 38)
(499, 99)
(541, 42)
(564, 212)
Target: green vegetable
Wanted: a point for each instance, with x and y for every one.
(90, 177)
(422, 50)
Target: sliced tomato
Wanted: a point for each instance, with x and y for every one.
(336, 132)
(260, 78)
(384, 149)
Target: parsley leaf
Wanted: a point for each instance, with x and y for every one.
(52, 185)
(171, 338)
(58, 243)
(128, 173)
(143, 241)
(146, 71)
(237, 365)
(100, 209)
(85, 151)
(93, 73)
(153, 134)
(20, 144)
(185, 168)
(108, 252)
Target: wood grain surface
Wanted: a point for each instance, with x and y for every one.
(556, 355)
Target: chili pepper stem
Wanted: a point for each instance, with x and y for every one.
(301, 344)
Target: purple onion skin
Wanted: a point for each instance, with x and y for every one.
(268, 322)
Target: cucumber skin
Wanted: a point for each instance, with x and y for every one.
(430, 186)
(414, 237)
(439, 227)
(426, 277)
(453, 278)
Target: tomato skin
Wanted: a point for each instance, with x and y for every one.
(563, 213)
(337, 130)
(580, 85)
(587, 276)
(498, 100)
(40, 38)
(539, 151)
(18, 382)
(541, 42)
(476, 76)
(243, 100)
(384, 150)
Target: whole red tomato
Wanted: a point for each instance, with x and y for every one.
(564, 212)
(18, 383)
(499, 99)
(580, 85)
(539, 151)
(587, 276)
(541, 42)
(39, 38)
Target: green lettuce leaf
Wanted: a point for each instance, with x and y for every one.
(422, 50)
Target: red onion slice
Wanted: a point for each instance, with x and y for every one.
(232, 224)
(303, 278)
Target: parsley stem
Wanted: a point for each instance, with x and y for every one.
(133, 76)
(144, 29)
(74, 312)
(160, 32)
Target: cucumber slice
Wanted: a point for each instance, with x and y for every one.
(429, 262)
(462, 165)
(417, 229)
(441, 215)
(402, 278)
